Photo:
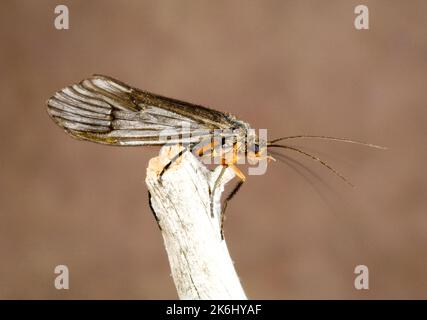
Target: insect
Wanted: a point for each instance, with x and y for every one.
(105, 110)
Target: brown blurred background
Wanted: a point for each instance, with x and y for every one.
(290, 66)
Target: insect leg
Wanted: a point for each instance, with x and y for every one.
(238, 173)
(242, 178)
(201, 151)
(229, 197)
(212, 191)
(175, 158)
(152, 210)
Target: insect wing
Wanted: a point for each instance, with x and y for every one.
(104, 110)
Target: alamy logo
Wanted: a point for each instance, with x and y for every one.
(361, 22)
(222, 147)
(62, 280)
(361, 282)
(62, 20)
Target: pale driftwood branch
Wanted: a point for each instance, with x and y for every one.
(200, 262)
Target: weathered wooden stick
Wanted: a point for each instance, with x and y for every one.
(200, 262)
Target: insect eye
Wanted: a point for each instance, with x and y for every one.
(255, 148)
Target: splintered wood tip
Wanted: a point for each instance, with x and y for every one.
(168, 155)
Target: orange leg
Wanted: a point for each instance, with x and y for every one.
(242, 178)
(201, 151)
(238, 172)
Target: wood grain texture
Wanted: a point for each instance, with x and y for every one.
(200, 262)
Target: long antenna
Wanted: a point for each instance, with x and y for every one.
(328, 138)
(313, 158)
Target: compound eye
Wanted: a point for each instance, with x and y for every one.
(255, 148)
